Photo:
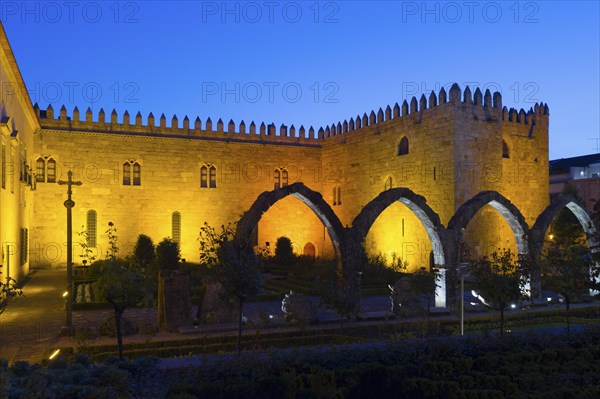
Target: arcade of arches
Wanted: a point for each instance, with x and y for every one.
(433, 244)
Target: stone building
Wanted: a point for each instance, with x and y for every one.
(583, 172)
(426, 181)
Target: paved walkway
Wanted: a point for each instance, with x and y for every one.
(34, 321)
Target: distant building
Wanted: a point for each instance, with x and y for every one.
(583, 172)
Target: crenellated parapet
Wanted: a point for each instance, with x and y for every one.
(490, 103)
(220, 131)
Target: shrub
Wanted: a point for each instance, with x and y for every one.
(144, 251)
(284, 253)
(167, 254)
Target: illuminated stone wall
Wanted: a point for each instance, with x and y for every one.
(170, 182)
(17, 126)
(455, 151)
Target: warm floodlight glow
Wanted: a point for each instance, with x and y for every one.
(53, 355)
(65, 294)
(551, 236)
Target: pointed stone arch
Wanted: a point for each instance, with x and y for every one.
(542, 223)
(429, 219)
(461, 218)
(416, 203)
(511, 214)
(312, 199)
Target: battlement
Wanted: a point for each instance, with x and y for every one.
(486, 101)
(126, 125)
(490, 103)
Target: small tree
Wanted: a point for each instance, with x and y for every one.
(500, 280)
(284, 253)
(120, 285)
(339, 297)
(235, 264)
(423, 283)
(571, 271)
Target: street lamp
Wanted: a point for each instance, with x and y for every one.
(69, 204)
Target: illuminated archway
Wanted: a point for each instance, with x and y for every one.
(467, 211)
(542, 223)
(428, 218)
(510, 213)
(315, 202)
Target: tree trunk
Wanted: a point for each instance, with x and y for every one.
(239, 340)
(118, 316)
(502, 321)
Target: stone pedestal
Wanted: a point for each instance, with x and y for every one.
(174, 302)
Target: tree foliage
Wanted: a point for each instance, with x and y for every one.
(144, 251)
(234, 265)
(168, 254)
(500, 280)
(120, 284)
(284, 253)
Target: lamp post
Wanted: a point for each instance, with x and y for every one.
(69, 204)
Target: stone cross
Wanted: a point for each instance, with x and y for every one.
(69, 204)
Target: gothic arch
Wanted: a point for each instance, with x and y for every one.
(542, 223)
(416, 203)
(312, 199)
(465, 213)
(430, 220)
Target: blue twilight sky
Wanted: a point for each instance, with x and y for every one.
(307, 62)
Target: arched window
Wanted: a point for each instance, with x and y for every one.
(176, 226)
(40, 170)
(505, 151)
(284, 178)
(403, 146)
(389, 183)
(213, 177)
(277, 179)
(91, 228)
(137, 174)
(51, 171)
(204, 177)
(126, 174)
